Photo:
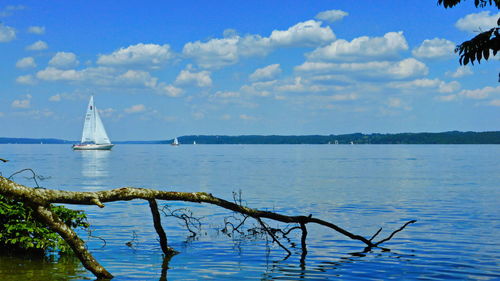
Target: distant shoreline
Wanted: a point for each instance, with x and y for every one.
(452, 137)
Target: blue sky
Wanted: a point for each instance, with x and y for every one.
(160, 69)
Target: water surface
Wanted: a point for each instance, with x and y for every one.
(452, 190)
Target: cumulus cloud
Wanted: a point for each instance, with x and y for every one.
(304, 34)
(199, 79)
(22, 103)
(214, 53)
(138, 77)
(460, 72)
(8, 10)
(55, 98)
(27, 62)
(149, 55)
(171, 91)
(135, 108)
(495, 102)
(226, 94)
(433, 84)
(480, 93)
(64, 60)
(262, 88)
(26, 79)
(434, 48)
(362, 48)
(477, 22)
(247, 117)
(7, 33)
(331, 15)
(37, 46)
(398, 103)
(404, 69)
(55, 74)
(266, 73)
(219, 52)
(36, 30)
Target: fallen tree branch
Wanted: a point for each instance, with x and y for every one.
(40, 200)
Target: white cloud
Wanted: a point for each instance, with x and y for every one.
(398, 103)
(403, 69)
(22, 103)
(434, 84)
(447, 98)
(434, 48)
(106, 112)
(374, 48)
(138, 77)
(480, 93)
(135, 108)
(26, 62)
(304, 34)
(494, 102)
(171, 91)
(214, 53)
(262, 89)
(149, 55)
(460, 72)
(200, 79)
(55, 74)
(36, 30)
(7, 11)
(104, 76)
(331, 15)
(227, 94)
(55, 98)
(7, 33)
(68, 96)
(247, 117)
(477, 22)
(266, 73)
(26, 79)
(217, 53)
(37, 46)
(64, 60)
(299, 84)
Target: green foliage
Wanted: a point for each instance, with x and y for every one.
(482, 44)
(477, 3)
(20, 232)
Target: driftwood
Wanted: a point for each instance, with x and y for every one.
(39, 200)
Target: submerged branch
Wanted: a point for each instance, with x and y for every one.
(42, 198)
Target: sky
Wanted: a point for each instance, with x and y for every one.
(161, 69)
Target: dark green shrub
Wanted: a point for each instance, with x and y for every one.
(20, 232)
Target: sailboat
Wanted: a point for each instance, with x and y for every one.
(175, 142)
(94, 135)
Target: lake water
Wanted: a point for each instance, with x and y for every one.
(453, 191)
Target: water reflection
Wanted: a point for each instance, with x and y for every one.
(51, 267)
(95, 168)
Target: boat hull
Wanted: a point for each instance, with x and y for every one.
(92, 146)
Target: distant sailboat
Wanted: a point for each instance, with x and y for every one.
(175, 142)
(94, 135)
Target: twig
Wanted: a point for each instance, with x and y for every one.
(274, 237)
(394, 232)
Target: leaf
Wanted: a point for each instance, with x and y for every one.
(486, 53)
(466, 60)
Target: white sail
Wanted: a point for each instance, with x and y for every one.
(100, 136)
(93, 129)
(89, 124)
